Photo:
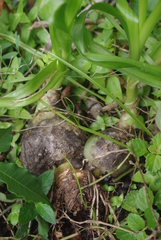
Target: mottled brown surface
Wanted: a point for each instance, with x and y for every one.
(104, 154)
(45, 145)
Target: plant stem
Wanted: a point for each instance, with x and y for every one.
(131, 93)
(22, 45)
(149, 24)
(142, 13)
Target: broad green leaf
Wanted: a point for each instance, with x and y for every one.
(150, 219)
(46, 212)
(141, 236)
(114, 86)
(153, 162)
(97, 126)
(5, 139)
(116, 200)
(122, 235)
(110, 121)
(19, 113)
(155, 184)
(157, 199)
(130, 202)
(15, 208)
(14, 214)
(21, 231)
(156, 147)
(98, 69)
(27, 213)
(148, 177)
(43, 228)
(33, 13)
(139, 146)
(5, 125)
(45, 180)
(142, 199)
(135, 222)
(21, 182)
(129, 208)
(82, 64)
(13, 218)
(105, 38)
(9, 55)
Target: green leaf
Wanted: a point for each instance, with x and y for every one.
(110, 121)
(156, 147)
(46, 212)
(148, 177)
(43, 228)
(27, 213)
(155, 183)
(114, 86)
(104, 58)
(139, 146)
(132, 31)
(150, 219)
(130, 203)
(99, 124)
(3, 198)
(157, 199)
(81, 63)
(33, 85)
(153, 162)
(122, 235)
(116, 200)
(47, 8)
(13, 218)
(5, 139)
(141, 236)
(21, 182)
(135, 222)
(9, 55)
(14, 214)
(33, 13)
(142, 199)
(21, 231)
(45, 180)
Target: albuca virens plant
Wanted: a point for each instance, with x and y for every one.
(135, 28)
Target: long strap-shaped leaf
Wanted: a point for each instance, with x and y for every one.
(103, 57)
(12, 102)
(34, 84)
(22, 183)
(95, 82)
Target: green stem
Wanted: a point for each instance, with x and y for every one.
(142, 13)
(131, 93)
(149, 24)
(22, 45)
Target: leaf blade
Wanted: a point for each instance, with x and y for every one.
(5, 139)
(21, 182)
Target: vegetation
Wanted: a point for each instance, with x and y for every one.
(94, 49)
